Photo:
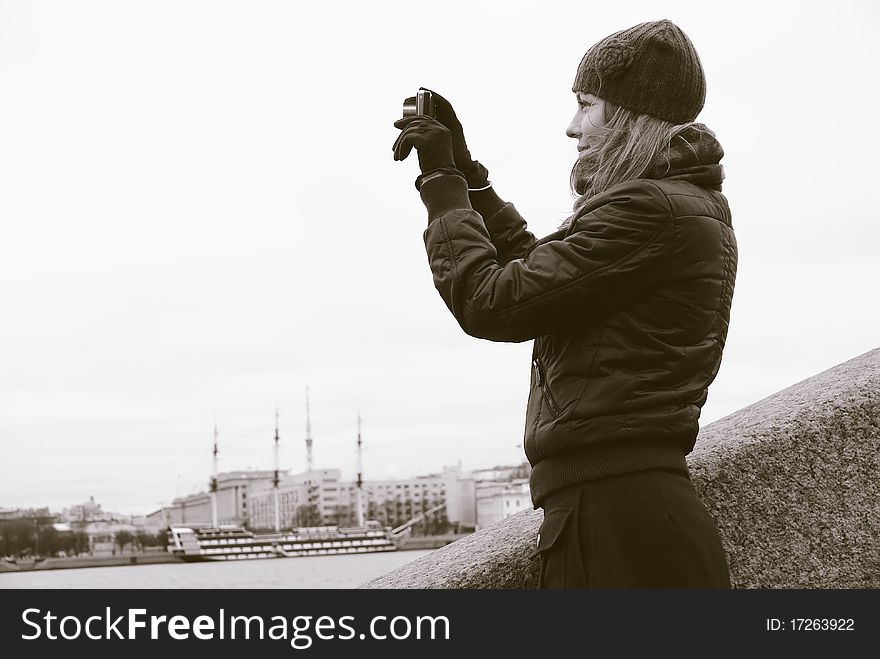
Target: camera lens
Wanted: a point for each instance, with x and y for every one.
(409, 108)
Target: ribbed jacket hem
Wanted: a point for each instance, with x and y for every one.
(562, 470)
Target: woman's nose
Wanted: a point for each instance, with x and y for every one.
(574, 129)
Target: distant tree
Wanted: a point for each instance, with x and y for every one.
(344, 515)
(307, 515)
(391, 512)
(123, 538)
(76, 542)
(25, 536)
(439, 523)
(19, 540)
(51, 541)
(144, 538)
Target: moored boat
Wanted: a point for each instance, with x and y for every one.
(236, 543)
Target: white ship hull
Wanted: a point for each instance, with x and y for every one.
(236, 543)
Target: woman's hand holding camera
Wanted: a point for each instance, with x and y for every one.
(432, 140)
(423, 133)
(477, 176)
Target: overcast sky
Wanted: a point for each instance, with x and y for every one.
(201, 216)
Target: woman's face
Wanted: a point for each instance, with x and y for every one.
(589, 117)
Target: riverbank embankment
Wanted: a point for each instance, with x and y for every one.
(146, 558)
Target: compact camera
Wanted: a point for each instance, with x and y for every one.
(421, 103)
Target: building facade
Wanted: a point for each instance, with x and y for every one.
(496, 500)
(320, 497)
(306, 499)
(233, 491)
(396, 502)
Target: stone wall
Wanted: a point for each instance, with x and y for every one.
(792, 481)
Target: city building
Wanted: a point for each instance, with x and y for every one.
(104, 536)
(233, 490)
(502, 474)
(306, 499)
(497, 500)
(84, 512)
(320, 497)
(24, 513)
(396, 502)
(105, 532)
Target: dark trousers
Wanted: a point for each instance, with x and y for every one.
(642, 530)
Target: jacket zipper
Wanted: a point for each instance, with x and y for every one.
(541, 381)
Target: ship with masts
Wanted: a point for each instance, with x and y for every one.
(232, 542)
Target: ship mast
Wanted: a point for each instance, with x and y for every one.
(214, 483)
(275, 476)
(360, 480)
(308, 435)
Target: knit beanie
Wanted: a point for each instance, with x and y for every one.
(651, 68)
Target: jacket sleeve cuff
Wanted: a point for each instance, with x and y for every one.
(443, 194)
(486, 202)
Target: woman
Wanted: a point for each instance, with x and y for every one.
(628, 303)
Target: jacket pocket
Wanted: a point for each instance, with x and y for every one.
(541, 382)
(551, 530)
(563, 563)
(559, 551)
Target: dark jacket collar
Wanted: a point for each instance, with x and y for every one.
(693, 156)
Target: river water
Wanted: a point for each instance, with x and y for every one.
(301, 572)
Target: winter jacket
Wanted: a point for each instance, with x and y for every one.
(628, 307)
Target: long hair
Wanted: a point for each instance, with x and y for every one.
(626, 146)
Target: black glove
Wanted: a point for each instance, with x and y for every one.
(477, 175)
(431, 139)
